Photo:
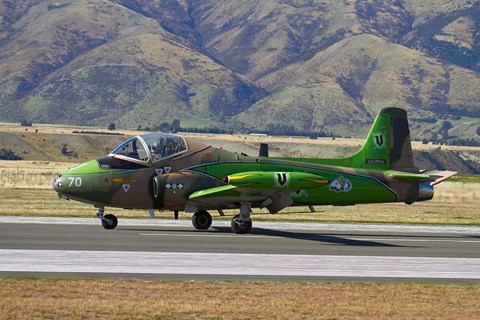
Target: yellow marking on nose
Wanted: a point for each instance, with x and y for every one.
(124, 180)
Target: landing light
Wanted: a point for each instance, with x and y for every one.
(56, 183)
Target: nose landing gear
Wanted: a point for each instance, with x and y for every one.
(109, 221)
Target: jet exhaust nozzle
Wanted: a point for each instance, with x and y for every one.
(425, 191)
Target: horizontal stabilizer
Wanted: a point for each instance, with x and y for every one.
(434, 176)
(409, 175)
(437, 176)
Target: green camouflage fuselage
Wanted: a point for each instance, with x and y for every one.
(169, 172)
(135, 188)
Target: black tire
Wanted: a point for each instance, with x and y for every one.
(241, 227)
(201, 220)
(110, 222)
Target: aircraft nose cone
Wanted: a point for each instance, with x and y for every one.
(57, 184)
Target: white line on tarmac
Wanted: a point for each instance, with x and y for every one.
(313, 226)
(69, 261)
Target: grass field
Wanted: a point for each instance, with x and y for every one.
(136, 299)
(25, 189)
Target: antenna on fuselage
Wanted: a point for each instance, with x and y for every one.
(263, 150)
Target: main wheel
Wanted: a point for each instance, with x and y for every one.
(241, 227)
(110, 221)
(201, 220)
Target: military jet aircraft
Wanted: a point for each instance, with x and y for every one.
(169, 172)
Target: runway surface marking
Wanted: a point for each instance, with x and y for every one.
(70, 261)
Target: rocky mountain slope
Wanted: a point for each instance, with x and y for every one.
(283, 66)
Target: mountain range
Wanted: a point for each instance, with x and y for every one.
(277, 66)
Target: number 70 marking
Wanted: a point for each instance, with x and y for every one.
(75, 181)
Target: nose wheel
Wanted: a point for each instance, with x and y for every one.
(109, 221)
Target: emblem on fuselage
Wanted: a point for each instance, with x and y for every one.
(379, 140)
(164, 169)
(282, 178)
(174, 186)
(341, 184)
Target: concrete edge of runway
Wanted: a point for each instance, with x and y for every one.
(324, 226)
(206, 277)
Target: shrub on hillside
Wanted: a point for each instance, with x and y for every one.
(25, 123)
(9, 155)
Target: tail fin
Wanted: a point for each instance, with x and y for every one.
(388, 144)
(388, 147)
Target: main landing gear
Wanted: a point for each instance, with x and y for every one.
(109, 221)
(241, 223)
(201, 220)
(240, 226)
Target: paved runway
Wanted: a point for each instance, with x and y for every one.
(162, 249)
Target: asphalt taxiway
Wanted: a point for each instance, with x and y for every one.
(161, 249)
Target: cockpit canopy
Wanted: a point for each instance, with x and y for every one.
(150, 147)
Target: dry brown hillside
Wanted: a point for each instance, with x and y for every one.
(283, 66)
(70, 145)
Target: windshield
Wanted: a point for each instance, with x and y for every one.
(155, 146)
(132, 148)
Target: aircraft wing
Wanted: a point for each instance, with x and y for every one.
(270, 189)
(223, 191)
